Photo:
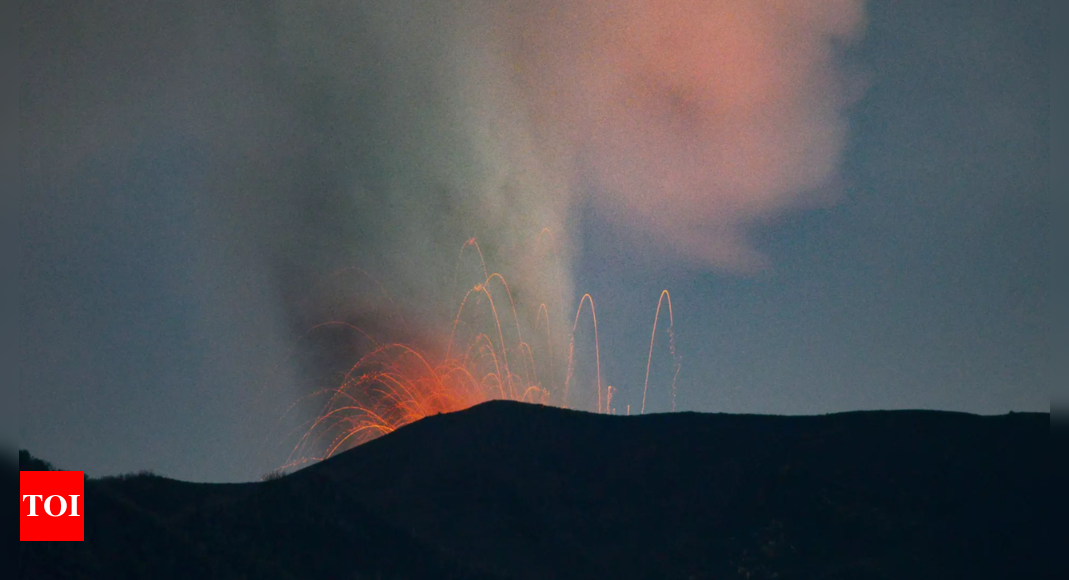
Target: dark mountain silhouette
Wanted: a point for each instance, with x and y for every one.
(514, 491)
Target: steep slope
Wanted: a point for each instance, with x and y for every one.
(541, 493)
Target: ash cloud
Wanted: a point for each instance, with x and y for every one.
(689, 121)
(295, 140)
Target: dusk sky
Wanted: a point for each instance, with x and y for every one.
(848, 201)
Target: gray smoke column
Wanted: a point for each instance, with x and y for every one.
(239, 156)
(413, 111)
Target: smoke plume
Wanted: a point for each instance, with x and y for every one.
(298, 139)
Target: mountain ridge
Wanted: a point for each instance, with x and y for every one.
(515, 491)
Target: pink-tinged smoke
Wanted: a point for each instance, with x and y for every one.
(694, 118)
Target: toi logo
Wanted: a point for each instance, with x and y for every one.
(52, 506)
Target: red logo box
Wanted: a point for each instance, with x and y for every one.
(53, 506)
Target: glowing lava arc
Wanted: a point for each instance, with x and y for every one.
(671, 347)
(571, 350)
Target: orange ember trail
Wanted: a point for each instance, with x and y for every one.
(671, 347)
(571, 349)
(395, 384)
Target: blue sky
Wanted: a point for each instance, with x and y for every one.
(157, 320)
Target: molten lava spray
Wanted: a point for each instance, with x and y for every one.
(396, 384)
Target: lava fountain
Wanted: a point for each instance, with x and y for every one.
(486, 358)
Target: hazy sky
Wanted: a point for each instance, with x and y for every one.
(850, 207)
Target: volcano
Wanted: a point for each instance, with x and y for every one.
(512, 491)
